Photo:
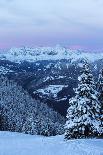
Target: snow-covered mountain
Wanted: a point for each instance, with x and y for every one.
(48, 53)
(48, 73)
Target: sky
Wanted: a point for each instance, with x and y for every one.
(71, 23)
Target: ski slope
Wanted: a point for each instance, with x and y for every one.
(22, 144)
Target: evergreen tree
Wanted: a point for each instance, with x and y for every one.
(83, 113)
(100, 94)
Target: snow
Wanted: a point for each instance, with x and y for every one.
(61, 77)
(48, 78)
(4, 70)
(52, 78)
(48, 53)
(84, 108)
(51, 89)
(22, 144)
(95, 67)
(62, 99)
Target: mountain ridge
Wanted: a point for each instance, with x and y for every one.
(48, 53)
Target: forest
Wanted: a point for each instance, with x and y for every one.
(21, 113)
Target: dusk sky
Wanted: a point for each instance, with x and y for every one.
(72, 23)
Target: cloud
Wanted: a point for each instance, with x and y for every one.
(87, 12)
(69, 19)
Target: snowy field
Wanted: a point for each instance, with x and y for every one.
(21, 144)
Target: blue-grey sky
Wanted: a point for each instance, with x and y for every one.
(74, 23)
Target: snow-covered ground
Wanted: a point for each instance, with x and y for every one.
(22, 144)
(51, 89)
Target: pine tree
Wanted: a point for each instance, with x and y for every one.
(83, 113)
(100, 94)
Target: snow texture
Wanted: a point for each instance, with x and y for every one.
(22, 144)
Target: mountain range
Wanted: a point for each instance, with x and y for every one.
(49, 74)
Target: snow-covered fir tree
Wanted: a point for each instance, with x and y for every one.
(83, 112)
(100, 94)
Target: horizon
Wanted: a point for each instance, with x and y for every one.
(71, 23)
(57, 45)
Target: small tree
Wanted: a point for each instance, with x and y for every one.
(83, 113)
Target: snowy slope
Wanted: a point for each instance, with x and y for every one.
(48, 53)
(21, 144)
(52, 90)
